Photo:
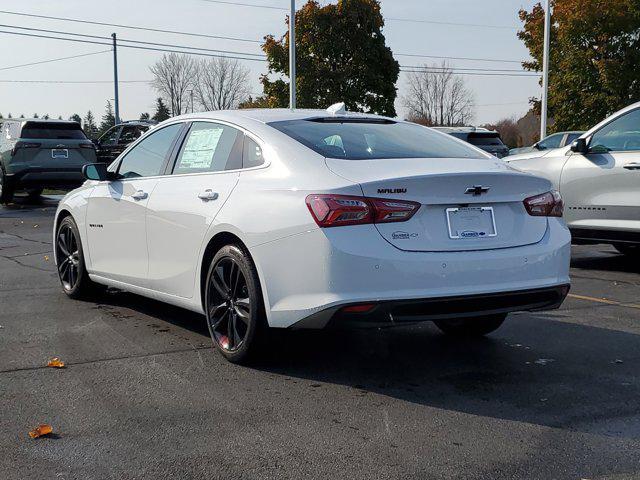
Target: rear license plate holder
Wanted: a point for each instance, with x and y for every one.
(59, 153)
(471, 222)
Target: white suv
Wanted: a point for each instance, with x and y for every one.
(599, 179)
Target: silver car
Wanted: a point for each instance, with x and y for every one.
(599, 179)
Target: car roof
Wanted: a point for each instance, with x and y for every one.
(268, 115)
(41, 120)
(138, 123)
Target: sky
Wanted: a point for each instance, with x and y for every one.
(489, 32)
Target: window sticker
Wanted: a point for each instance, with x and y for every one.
(200, 147)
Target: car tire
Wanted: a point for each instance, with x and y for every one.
(6, 190)
(471, 327)
(34, 193)
(72, 273)
(234, 306)
(631, 250)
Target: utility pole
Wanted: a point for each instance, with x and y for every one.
(115, 78)
(292, 56)
(545, 70)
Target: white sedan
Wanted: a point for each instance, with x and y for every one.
(308, 219)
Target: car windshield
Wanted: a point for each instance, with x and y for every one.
(58, 131)
(484, 139)
(366, 139)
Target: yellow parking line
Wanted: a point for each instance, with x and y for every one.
(603, 300)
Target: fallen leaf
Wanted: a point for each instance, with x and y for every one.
(46, 258)
(55, 363)
(41, 430)
(36, 226)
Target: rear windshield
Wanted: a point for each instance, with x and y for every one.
(484, 139)
(57, 131)
(366, 140)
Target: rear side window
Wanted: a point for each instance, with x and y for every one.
(147, 157)
(56, 131)
(210, 147)
(484, 139)
(252, 154)
(365, 140)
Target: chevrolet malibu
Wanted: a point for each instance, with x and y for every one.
(311, 219)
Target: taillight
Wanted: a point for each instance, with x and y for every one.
(338, 210)
(19, 145)
(548, 204)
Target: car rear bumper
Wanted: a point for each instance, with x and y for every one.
(313, 272)
(44, 177)
(399, 312)
(591, 236)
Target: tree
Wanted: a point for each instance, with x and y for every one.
(222, 83)
(89, 125)
(46, 116)
(341, 57)
(35, 115)
(437, 96)
(508, 130)
(76, 118)
(108, 119)
(173, 77)
(162, 111)
(258, 102)
(595, 53)
(145, 116)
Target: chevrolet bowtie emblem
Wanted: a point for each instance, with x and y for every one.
(476, 190)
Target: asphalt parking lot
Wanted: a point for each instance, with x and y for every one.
(551, 395)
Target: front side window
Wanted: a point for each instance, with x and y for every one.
(552, 141)
(210, 147)
(147, 158)
(620, 135)
(130, 134)
(110, 137)
(365, 139)
(571, 137)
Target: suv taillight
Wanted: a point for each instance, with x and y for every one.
(548, 204)
(339, 210)
(19, 145)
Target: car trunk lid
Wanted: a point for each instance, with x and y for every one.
(466, 204)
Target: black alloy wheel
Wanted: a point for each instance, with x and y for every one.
(68, 255)
(233, 304)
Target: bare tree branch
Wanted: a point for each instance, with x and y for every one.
(438, 97)
(221, 83)
(173, 77)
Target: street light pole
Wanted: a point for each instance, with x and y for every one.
(545, 70)
(115, 78)
(292, 56)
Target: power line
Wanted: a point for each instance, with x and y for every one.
(445, 69)
(54, 60)
(59, 32)
(391, 19)
(131, 27)
(74, 82)
(130, 46)
(489, 74)
(457, 58)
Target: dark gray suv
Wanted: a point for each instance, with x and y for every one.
(37, 154)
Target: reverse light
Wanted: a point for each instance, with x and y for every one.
(339, 210)
(548, 204)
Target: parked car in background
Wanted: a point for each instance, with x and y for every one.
(557, 140)
(599, 179)
(115, 140)
(218, 213)
(36, 154)
(486, 140)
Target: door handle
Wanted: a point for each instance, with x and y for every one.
(632, 166)
(207, 195)
(140, 195)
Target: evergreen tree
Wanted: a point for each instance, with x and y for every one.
(89, 125)
(108, 119)
(35, 115)
(76, 118)
(145, 116)
(46, 116)
(9, 116)
(162, 111)
(21, 116)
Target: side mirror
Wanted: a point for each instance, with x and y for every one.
(536, 146)
(580, 146)
(96, 171)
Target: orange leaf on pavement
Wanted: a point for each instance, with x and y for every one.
(55, 363)
(41, 430)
